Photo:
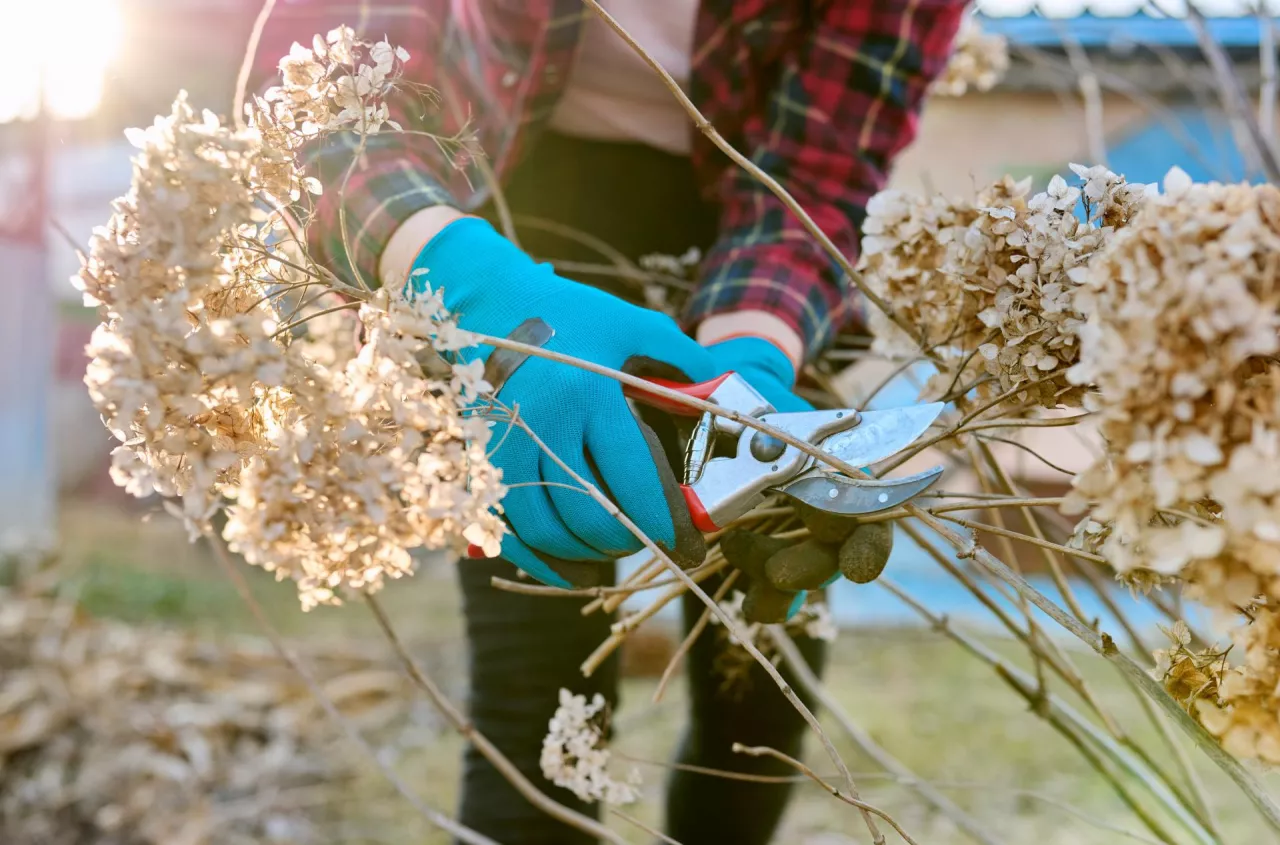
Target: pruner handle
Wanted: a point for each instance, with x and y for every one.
(701, 390)
(731, 392)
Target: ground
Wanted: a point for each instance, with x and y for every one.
(944, 714)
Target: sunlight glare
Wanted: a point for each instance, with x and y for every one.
(69, 44)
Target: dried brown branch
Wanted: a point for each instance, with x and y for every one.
(704, 126)
(813, 685)
(480, 742)
(1105, 646)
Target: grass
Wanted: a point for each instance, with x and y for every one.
(944, 714)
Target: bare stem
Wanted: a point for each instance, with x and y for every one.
(1267, 61)
(1233, 96)
(784, 196)
(1104, 645)
(811, 684)
(487, 749)
(1087, 739)
(692, 637)
(1090, 93)
(246, 63)
(764, 751)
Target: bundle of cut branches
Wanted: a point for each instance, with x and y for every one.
(124, 735)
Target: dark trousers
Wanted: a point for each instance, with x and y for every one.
(524, 649)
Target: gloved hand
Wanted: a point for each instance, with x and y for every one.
(780, 572)
(764, 366)
(558, 535)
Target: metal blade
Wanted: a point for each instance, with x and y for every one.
(840, 495)
(881, 434)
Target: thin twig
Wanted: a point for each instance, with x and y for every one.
(784, 196)
(1267, 60)
(246, 63)
(811, 684)
(1002, 789)
(597, 593)
(691, 638)
(1233, 96)
(765, 751)
(1038, 537)
(729, 623)
(629, 819)
(1104, 645)
(480, 742)
(435, 817)
(1090, 93)
(1026, 538)
(1076, 729)
(630, 623)
(916, 448)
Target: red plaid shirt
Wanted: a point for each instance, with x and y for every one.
(822, 94)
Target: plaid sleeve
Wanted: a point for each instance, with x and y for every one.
(396, 174)
(845, 105)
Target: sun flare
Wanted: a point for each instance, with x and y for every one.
(64, 45)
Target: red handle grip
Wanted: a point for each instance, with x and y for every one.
(701, 390)
(698, 513)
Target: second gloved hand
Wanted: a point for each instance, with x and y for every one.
(779, 573)
(559, 534)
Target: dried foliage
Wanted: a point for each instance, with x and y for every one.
(574, 755)
(116, 734)
(205, 370)
(1180, 345)
(989, 283)
(227, 367)
(979, 60)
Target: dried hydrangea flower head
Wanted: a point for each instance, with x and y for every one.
(1245, 714)
(979, 60)
(989, 283)
(1180, 345)
(184, 369)
(338, 460)
(573, 755)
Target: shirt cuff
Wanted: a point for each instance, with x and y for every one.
(382, 191)
(794, 282)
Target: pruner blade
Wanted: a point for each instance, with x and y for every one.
(879, 435)
(849, 497)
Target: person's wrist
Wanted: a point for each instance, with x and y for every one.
(410, 238)
(764, 325)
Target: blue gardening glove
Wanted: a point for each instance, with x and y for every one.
(764, 366)
(558, 535)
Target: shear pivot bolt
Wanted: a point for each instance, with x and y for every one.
(766, 447)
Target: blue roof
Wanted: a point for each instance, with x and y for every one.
(1097, 31)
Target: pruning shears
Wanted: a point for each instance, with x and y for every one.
(729, 467)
